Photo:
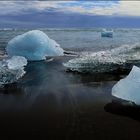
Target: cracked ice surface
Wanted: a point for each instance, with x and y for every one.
(105, 61)
(12, 69)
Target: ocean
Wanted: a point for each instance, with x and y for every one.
(79, 39)
(51, 103)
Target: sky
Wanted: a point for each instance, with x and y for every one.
(70, 14)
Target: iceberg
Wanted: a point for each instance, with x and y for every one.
(12, 69)
(121, 58)
(33, 45)
(129, 88)
(107, 33)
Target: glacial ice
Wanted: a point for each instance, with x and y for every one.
(97, 62)
(107, 33)
(33, 45)
(129, 87)
(106, 61)
(16, 62)
(12, 69)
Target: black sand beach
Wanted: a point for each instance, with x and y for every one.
(49, 103)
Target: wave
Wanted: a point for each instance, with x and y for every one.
(73, 29)
(120, 58)
(7, 29)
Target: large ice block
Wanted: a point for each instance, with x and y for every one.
(129, 87)
(33, 45)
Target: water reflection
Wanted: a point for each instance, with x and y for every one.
(48, 83)
(123, 108)
(58, 105)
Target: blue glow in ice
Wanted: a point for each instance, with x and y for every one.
(129, 87)
(33, 45)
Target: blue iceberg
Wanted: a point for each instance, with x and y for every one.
(107, 33)
(129, 88)
(33, 45)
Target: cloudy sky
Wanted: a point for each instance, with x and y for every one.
(70, 14)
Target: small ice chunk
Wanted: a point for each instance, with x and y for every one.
(107, 33)
(33, 45)
(129, 87)
(16, 62)
(12, 69)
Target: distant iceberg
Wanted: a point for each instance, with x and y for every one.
(12, 69)
(107, 33)
(33, 45)
(129, 87)
(120, 58)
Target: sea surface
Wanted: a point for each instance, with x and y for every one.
(51, 103)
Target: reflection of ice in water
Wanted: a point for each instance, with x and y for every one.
(105, 61)
(129, 87)
(37, 88)
(17, 97)
(23, 94)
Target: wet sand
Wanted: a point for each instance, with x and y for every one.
(49, 103)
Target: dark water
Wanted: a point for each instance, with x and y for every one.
(49, 103)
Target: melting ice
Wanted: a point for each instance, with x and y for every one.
(33, 45)
(107, 33)
(129, 87)
(105, 61)
(12, 69)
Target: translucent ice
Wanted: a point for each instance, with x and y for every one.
(128, 52)
(16, 62)
(96, 62)
(122, 58)
(129, 87)
(12, 69)
(33, 45)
